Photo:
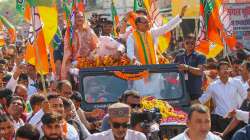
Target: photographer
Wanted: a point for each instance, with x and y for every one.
(146, 122)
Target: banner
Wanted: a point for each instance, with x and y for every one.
(236, 1)
(193, 11)
(240, 19)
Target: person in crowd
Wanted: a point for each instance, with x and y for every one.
(198, 125)
(77, 99)
(140, 43)
(70, 118)
(244, 74)
(119, 119)
(7, 128)
(52, 127)
(242, 134)
(40, 88)
(54, 104)
(15, 109)
(9, 54)
(27, 132)
(3, 70)
(191, 64)
(6, 78)
(52, 86)
(32, 74)
(107, 28)
(129, 97)
(236, 63)
(236, 124)
(142, 121)
(21, 91)
(64, 88)
(36, 102)
(20, 78)
(5, 96)
(225, 93)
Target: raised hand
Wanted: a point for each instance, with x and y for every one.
(183, 10)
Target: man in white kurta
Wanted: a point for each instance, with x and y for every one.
(119, 120)
(143, 26)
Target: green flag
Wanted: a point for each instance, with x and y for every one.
(208, 7)
(138, 4)
(20, 6)
(10, 27)
(115, 18)
(47, 3)
(57, 39)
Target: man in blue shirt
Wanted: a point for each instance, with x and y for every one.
(191, 65)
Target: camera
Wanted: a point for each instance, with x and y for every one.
(97, 21)
(147, 122)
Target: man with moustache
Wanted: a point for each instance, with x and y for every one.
(119, 121)
(52, 127)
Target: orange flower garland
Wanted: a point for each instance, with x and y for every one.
(168, 113)
(98, 61)
(132, 77)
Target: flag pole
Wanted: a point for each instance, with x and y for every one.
(37, 51)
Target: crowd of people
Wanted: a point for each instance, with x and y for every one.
(35, 107)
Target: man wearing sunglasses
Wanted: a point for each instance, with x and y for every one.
(129, 97)
(191, 64)
(140, 44)
(119, 121)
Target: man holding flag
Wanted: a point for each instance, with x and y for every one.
(140, 44)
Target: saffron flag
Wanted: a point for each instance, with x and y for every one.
(115, 19)
(214, 27)
(11, 29)
(36, 51)
(80, 5)
(158, 20)
(69, 14)
(164, 40)
(43, 29)
(49, 22)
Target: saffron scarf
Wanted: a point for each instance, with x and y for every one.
(145, 48)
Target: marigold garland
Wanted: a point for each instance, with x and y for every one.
(130, 76)
(104, 61)
(167, 111)
(108, 60)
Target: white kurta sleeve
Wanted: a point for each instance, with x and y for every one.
(130, 47)
(36, 118)
(12, 84)
(167, 27)
(242, 116)
(206, 95)
(242, 90)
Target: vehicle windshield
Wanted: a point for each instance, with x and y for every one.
(108, 88)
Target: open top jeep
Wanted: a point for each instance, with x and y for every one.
(103, 86)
